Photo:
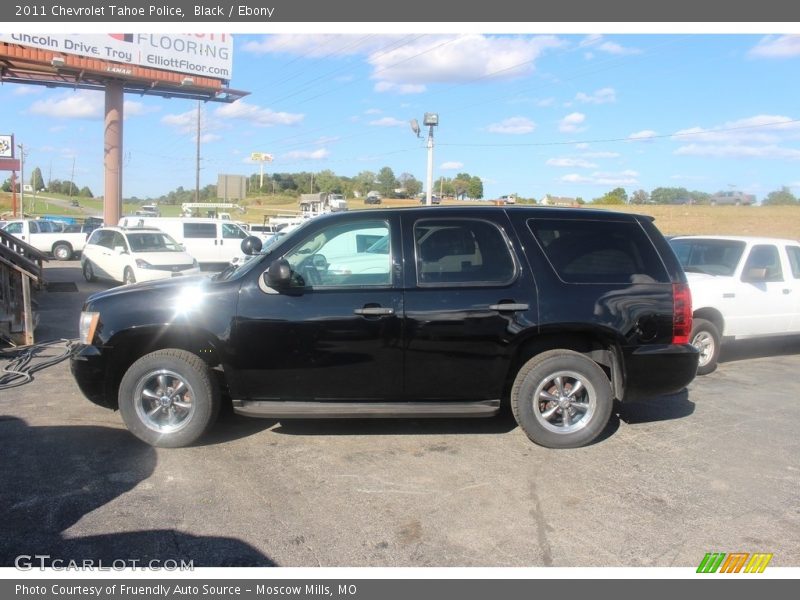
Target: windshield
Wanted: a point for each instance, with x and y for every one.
(709, 256)
(154, 241)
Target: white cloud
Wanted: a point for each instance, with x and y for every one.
(132, 108)
(388, 122)
(572, 123)
(318, 154)
(545, 102)
(184, 123)
(455, 59)
(451, 166)
(82, 104)
(646, 135)
(209, 137)
(597, 42)
(582, 145)
(256, 115)
(27, 90)
(738, 151)
(513, 126)
(373, 111)
(601, 96)
(316, 46)
(689, 177)
(627, 177)
(763, 129)
(773, 46)
(570, 163)
(399, 88)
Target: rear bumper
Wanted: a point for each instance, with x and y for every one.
(88, 366)
(657, 370)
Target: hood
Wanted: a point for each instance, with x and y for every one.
(170, 286)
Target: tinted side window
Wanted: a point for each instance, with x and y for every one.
(462, 252)
(588, 251)
(13, 228)
(33, 227)
(794, 260)
(199, 230)
(764, 257)
(103, 237)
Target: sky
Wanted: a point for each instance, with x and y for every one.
(559, 114)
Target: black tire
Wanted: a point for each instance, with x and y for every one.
(591, 405)
(128, 277)
(62, 251)
(707, 339)
(88, 271)
(178, 381)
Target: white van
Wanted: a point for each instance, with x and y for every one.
(209, 241)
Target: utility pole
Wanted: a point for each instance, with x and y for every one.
(22, 176)
(72, 178)
(197, 165)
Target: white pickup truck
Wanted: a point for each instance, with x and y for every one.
(47, 236)
(742, 287)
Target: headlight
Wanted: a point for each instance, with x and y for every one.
(87, 326)
(143, 264)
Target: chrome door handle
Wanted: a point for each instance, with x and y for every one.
(372, 311)
(509, 306)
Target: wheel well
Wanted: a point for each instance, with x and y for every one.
(130, 346)
(601, 351)
(712, 315)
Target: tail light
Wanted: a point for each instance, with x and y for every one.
(681, 313)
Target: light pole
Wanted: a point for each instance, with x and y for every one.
(431, 120)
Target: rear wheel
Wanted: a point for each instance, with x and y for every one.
(62, 251)
(561, 399)
(706, 338)
(168, 399)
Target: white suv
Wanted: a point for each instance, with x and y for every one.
(131, 255)
(742, 287)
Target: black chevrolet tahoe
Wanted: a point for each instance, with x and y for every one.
(417, 312)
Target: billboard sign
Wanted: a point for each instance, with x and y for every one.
(206, 54)
(6, 146)
(260, 157)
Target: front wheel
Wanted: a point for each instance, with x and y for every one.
(168, 399)
(128, 277)
(561, 399)
(706, 338)
(88, 271)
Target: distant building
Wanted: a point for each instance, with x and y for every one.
(735, 198)
(549, 200)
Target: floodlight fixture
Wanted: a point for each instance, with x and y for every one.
(58, 62)
(187, 81)
(415, 126)
(431, 119)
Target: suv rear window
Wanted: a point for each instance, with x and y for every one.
(594, 251)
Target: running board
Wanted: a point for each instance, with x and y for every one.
(363, 410)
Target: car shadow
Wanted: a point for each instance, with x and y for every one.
(53, 476)
(762, 348)
(657, 408)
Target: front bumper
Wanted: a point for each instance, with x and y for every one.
(656, 370)
(89, 367)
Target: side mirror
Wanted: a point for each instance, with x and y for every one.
(251, 245)
(119, 250)
(279, 274)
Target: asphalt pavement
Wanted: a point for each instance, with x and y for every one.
(712, 469)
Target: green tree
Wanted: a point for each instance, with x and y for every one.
(36, 179)
(779, 197)
(327, 181)
(662, 195)
(475, 188)
(615, 196)
(364, 182)
(85, 192)
(386, 182)
(410, 183)
(640, 197)
(700, 197)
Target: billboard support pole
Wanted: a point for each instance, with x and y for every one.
(14, 193)
(112, 139)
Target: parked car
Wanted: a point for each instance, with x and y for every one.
(742, 287)
(373, 198)
(556, 312)
(213, 242)
(47, 236)
(131, 255)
